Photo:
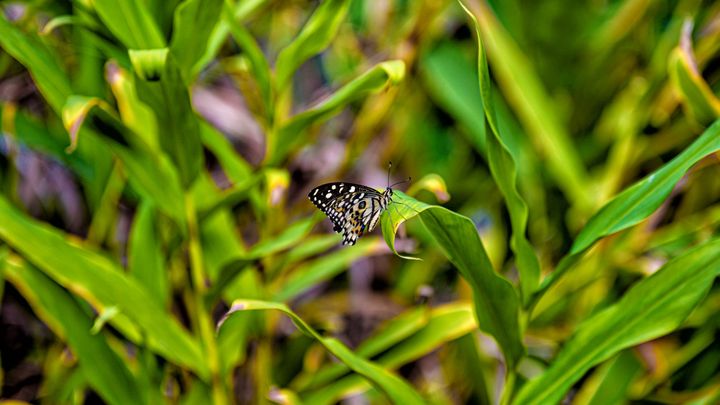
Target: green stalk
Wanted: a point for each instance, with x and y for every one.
(204, 323)
(507, 392)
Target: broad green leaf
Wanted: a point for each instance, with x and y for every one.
(652, 308)
(235, 167)
(393, 332)
(106, 372)
(164, 91)
(101, 282)
(92, 162)
(146, 260)
(444, 324)
(193, 24)
(447, 73)
(397, 390)
(133, 113)
(637, 202)
(432, 183)
(74, 113)
(529, 99)
(105, 214)
(697, 96)
(611, 382)
(503, 169)
(151, 175)
(43, 65)
(131, 22)
(496, 302)
(640, 200)
(291, 133)
(260, 69)
(241, 11)
(315, 36)
(291, 236)
(325, 268)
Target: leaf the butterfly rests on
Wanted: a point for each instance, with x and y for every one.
(354, 209)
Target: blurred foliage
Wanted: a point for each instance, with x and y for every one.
(156, 245)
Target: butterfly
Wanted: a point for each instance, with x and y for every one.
(354, 209)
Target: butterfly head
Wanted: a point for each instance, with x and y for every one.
(388, 193)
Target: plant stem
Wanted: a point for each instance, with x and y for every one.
(507, 391)
(204, 323)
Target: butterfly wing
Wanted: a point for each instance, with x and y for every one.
(361, 216)
(353, 208)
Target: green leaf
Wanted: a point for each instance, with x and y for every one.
(43, 65)
(101, 282)
(133, 113)
(235, 167)
(393, 332)
(145, 255)
(496, 302)
(397, 390)
(319, 30)
(529, 99)
(447, 72)
(239, 13)
(260, 68)
(503, 169)
(444, 324)
(131, 22)
(697, 96)
(291, 134)
(75, 111)
(193, 24)
(611, 382)
(164, 91)
(102, 367)
(637, 202)
(150, 174)
(652, 308)
(325, 268)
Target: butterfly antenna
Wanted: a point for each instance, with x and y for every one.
(388, 177)
(409, 179)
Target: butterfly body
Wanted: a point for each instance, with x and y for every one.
(354, 209)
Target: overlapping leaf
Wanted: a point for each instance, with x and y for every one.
(393, 386)
(653, 307)
(496, 302)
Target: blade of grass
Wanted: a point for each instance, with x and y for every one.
(316, 34)
(291, 133)
(503, 169)
(697, 96)
(397, 390)
(106, 372)
(444, 324)
(131, 22)
(527, 95)
(164, 91)
(194, 21)
(99, 281)
(653, 307)
(43, 65)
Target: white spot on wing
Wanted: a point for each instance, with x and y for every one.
(352, 189)
(328, 195)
